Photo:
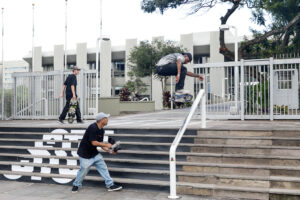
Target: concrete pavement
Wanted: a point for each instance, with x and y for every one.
(40, 191)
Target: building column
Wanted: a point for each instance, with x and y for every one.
(37, 67)
(105, 68)
(81, 56)
(156, 90)
(129, 45)
(58, 58)
(186, 41)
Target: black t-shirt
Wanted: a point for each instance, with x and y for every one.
(71, 80)
(92, 133)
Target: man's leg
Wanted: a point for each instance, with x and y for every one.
(167, 70)
(78, 114)
(180, 84)
(85, 165)
(65, 110)
(103, 171)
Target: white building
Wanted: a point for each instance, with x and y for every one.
(114, 69)
(11, 67)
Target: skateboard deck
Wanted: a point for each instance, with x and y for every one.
(182, 97)
(72, 111)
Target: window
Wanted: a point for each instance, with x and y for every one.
(284, 80)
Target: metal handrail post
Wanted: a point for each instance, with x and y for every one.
(242, 91)
(271, 89)
(177, 139)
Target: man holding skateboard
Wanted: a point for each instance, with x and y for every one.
(89, 155)
(172, 65)
(70, 88)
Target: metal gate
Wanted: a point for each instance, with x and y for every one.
(251, 89)
(36, 94)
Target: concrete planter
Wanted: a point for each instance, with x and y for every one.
(114, 106)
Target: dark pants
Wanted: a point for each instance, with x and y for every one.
(66, 109)
(171, 70)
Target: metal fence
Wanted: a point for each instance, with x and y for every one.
(251, 89)
(36, 94)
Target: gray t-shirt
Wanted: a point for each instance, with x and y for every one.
(171, 58)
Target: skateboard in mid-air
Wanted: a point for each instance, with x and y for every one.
(72, 111)
(182, 97)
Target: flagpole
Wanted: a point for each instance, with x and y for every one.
(97, 58)
(2, 96)
(32, 50)
(66, 31)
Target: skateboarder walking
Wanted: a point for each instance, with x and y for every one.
(70, 88)
(172, 65)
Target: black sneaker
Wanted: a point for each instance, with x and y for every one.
(60, 121)
(75, 189)
(80, 122)
(114, 188)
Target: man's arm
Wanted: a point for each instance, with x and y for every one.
(178, 70)
(101, 144)
(195, 75)
(73, 91)
(105, 146)
(62, 92)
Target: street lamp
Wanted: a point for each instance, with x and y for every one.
(225, 27)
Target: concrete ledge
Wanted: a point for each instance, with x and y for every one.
(114, 106)
(137, 106)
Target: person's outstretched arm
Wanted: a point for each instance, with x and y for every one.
(62, 92)
(195, 75)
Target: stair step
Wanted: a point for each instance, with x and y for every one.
(161, 135)
(164, 183)
(161, 153)
(162, 144)
(162, 162)
(163, 172)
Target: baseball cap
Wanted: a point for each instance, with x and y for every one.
(188, 55)
(76, 68)
(101, 115)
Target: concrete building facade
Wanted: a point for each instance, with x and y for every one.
(114, 66)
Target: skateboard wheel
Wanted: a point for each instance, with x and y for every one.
(70, 120)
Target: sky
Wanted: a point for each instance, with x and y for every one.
(121, 20)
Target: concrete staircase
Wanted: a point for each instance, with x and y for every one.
(233, 164)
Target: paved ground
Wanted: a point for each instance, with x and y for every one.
(170, 119)
(39, 191)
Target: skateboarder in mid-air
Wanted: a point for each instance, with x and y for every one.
(70, 88)
(172, 65)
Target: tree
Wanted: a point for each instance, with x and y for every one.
(142, 58)
(258, 7)
(135, 86)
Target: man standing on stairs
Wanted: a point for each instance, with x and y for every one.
(89, 155)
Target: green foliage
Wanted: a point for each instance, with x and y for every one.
(257, 97)
(8, 101)
(281, 109)
(167, 99)
(135, 87)
(124, 94)
(151, 5)
(280, 11)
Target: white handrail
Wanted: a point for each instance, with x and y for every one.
(201, 95)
